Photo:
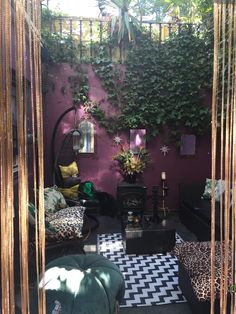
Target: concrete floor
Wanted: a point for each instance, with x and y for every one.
(160, 309)
(110, 225)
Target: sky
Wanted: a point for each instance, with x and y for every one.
(85, 8)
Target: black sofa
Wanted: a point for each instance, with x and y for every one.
(195, 273)
(195, 212)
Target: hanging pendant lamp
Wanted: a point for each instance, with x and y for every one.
(76, 135)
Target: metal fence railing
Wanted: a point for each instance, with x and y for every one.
(90, 31)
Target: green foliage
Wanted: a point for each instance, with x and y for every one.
(59, 48)
(79, 86)
(159, 10)
(109, 123)
(163, 85)
(131, 163)
(63, 49)
(205, 7)
(124, 23)
(109, 73)
(155, 9)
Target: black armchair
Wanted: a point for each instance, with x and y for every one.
(66, 221)
(68, 180)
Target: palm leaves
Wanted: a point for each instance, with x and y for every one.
(185, 10)
(123, 22)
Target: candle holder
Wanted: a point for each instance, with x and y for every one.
(155, 216)
(164, 192)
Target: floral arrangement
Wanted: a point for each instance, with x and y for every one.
(132, 163)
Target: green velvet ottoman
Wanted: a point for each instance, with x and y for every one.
(83, 284)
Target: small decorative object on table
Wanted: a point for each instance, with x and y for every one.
(130, 217)
(136, 221)
(133, 219)
(164, 192)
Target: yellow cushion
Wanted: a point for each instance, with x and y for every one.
(69, 171)
(70, 192)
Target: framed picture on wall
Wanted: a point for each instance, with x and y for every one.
(137, 139)
(188, 145)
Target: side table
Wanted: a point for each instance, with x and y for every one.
(148, 238)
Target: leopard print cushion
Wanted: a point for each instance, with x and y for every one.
(195, 258)
(67, 223)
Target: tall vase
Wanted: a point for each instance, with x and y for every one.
(130, 178)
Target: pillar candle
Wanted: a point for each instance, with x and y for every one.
(163, 176)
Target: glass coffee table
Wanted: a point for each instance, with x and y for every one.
(148, 237)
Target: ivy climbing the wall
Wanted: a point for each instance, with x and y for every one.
(163, 85)
(160, 87)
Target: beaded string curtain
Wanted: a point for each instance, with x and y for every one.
(20, 66)
(224, 136)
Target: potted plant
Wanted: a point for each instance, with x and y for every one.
(132, 163)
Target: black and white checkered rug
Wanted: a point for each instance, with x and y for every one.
(149, 279)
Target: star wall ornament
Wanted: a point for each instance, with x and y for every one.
(117, 139)
(164, 149)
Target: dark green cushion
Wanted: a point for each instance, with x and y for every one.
(83, 284)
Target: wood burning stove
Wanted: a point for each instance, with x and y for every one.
(131, 197)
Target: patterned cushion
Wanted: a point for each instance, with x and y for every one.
(207, 190)
(219, 189)
(195, 258)
(71, 192)
(31, 209)
(69, 171)
(53, 200)
(31, 213)
(67, 222)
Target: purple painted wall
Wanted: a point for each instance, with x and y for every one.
(99, 167)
